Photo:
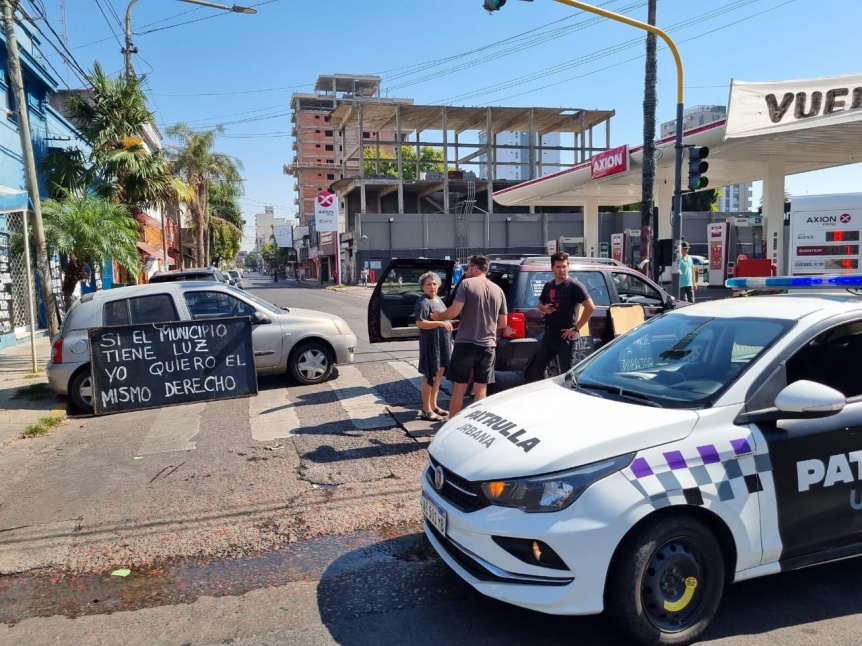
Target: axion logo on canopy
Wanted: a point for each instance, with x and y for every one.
(610, 162)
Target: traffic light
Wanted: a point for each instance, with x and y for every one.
(494, 5)
(697, 167)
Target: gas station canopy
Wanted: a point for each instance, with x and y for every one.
(807, 125)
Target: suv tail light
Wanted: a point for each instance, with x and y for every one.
(516, 326)
(57, 351)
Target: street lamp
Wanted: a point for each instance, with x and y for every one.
(676, 218)
(130, 49)
(235, 8)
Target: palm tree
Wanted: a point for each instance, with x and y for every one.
(226, 223)
(648, 177)
(195, 159)
(87, 229)
(111, 117)
(120, 168)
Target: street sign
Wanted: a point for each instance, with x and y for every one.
(325, 212)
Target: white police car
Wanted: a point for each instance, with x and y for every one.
(715, 443)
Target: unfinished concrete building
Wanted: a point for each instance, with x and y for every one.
(442, 205)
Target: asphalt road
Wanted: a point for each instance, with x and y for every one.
(304, 531)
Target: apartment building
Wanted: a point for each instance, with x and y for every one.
(264, 224)
(515, 155)
(318, 147)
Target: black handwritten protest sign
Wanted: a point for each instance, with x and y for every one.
(159, 364)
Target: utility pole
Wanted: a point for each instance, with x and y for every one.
(129, 49)
(29, 167)
(648, 225)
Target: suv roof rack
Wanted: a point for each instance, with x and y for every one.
(532, 260)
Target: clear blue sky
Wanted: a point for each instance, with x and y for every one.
(206, 66)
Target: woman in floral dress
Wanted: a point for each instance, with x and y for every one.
(435, 346)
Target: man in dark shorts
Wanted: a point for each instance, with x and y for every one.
(482, 307)
(561, 299)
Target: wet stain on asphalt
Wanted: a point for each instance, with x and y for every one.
(45, 594)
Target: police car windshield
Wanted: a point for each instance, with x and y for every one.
(680, 361)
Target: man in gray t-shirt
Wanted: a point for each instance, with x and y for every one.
(482, 306)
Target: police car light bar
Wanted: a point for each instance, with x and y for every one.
(796, 282)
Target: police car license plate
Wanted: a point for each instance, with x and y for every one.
(434, 513)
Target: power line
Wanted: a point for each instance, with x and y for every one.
(65, 54)
(591, 57)
(634, 58)
(110, 26)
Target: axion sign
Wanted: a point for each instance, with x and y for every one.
(610, 162)
(325, 212)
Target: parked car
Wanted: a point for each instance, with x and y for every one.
(715, 444)
(390, 309)
(304, 343)
(236, 278)
(197, 273)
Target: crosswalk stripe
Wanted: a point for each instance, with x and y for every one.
(173, 429)
(359, 399)
(272, 415)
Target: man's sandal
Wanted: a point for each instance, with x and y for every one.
(430, 416)
(441, 412)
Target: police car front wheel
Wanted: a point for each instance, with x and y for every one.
(666, 581)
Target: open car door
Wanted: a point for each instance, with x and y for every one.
(390, 310)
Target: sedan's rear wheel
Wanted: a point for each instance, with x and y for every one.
(81, 391)
(311, 363)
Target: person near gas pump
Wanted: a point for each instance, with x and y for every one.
(687, 274)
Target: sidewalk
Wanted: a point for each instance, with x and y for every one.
(18, 412)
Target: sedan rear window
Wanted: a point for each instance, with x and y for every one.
(157, 308)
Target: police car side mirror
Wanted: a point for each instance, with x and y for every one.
(810, 398)
(802, 399)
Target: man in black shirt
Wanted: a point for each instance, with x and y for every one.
(567, 306)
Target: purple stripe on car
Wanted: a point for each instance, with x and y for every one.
(675, 460)
(741, 446)
(708, 454)
(641, 468)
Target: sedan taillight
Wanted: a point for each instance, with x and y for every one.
(516, 326)
(57, 351)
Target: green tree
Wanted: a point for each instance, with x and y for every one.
(253, 261)
(226, 223)
(86, 229)
(701, 200)
(111, 117)
(201, 167)
(429, 159)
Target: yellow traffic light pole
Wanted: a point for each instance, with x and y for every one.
(676, 219)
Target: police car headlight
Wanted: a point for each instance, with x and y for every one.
(554, 491)
(341, 326)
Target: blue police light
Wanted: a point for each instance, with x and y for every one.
(826, 281)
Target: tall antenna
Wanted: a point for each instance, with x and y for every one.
(65, 35)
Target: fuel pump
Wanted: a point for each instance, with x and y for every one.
(574, 245)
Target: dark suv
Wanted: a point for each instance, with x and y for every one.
(390, 310)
